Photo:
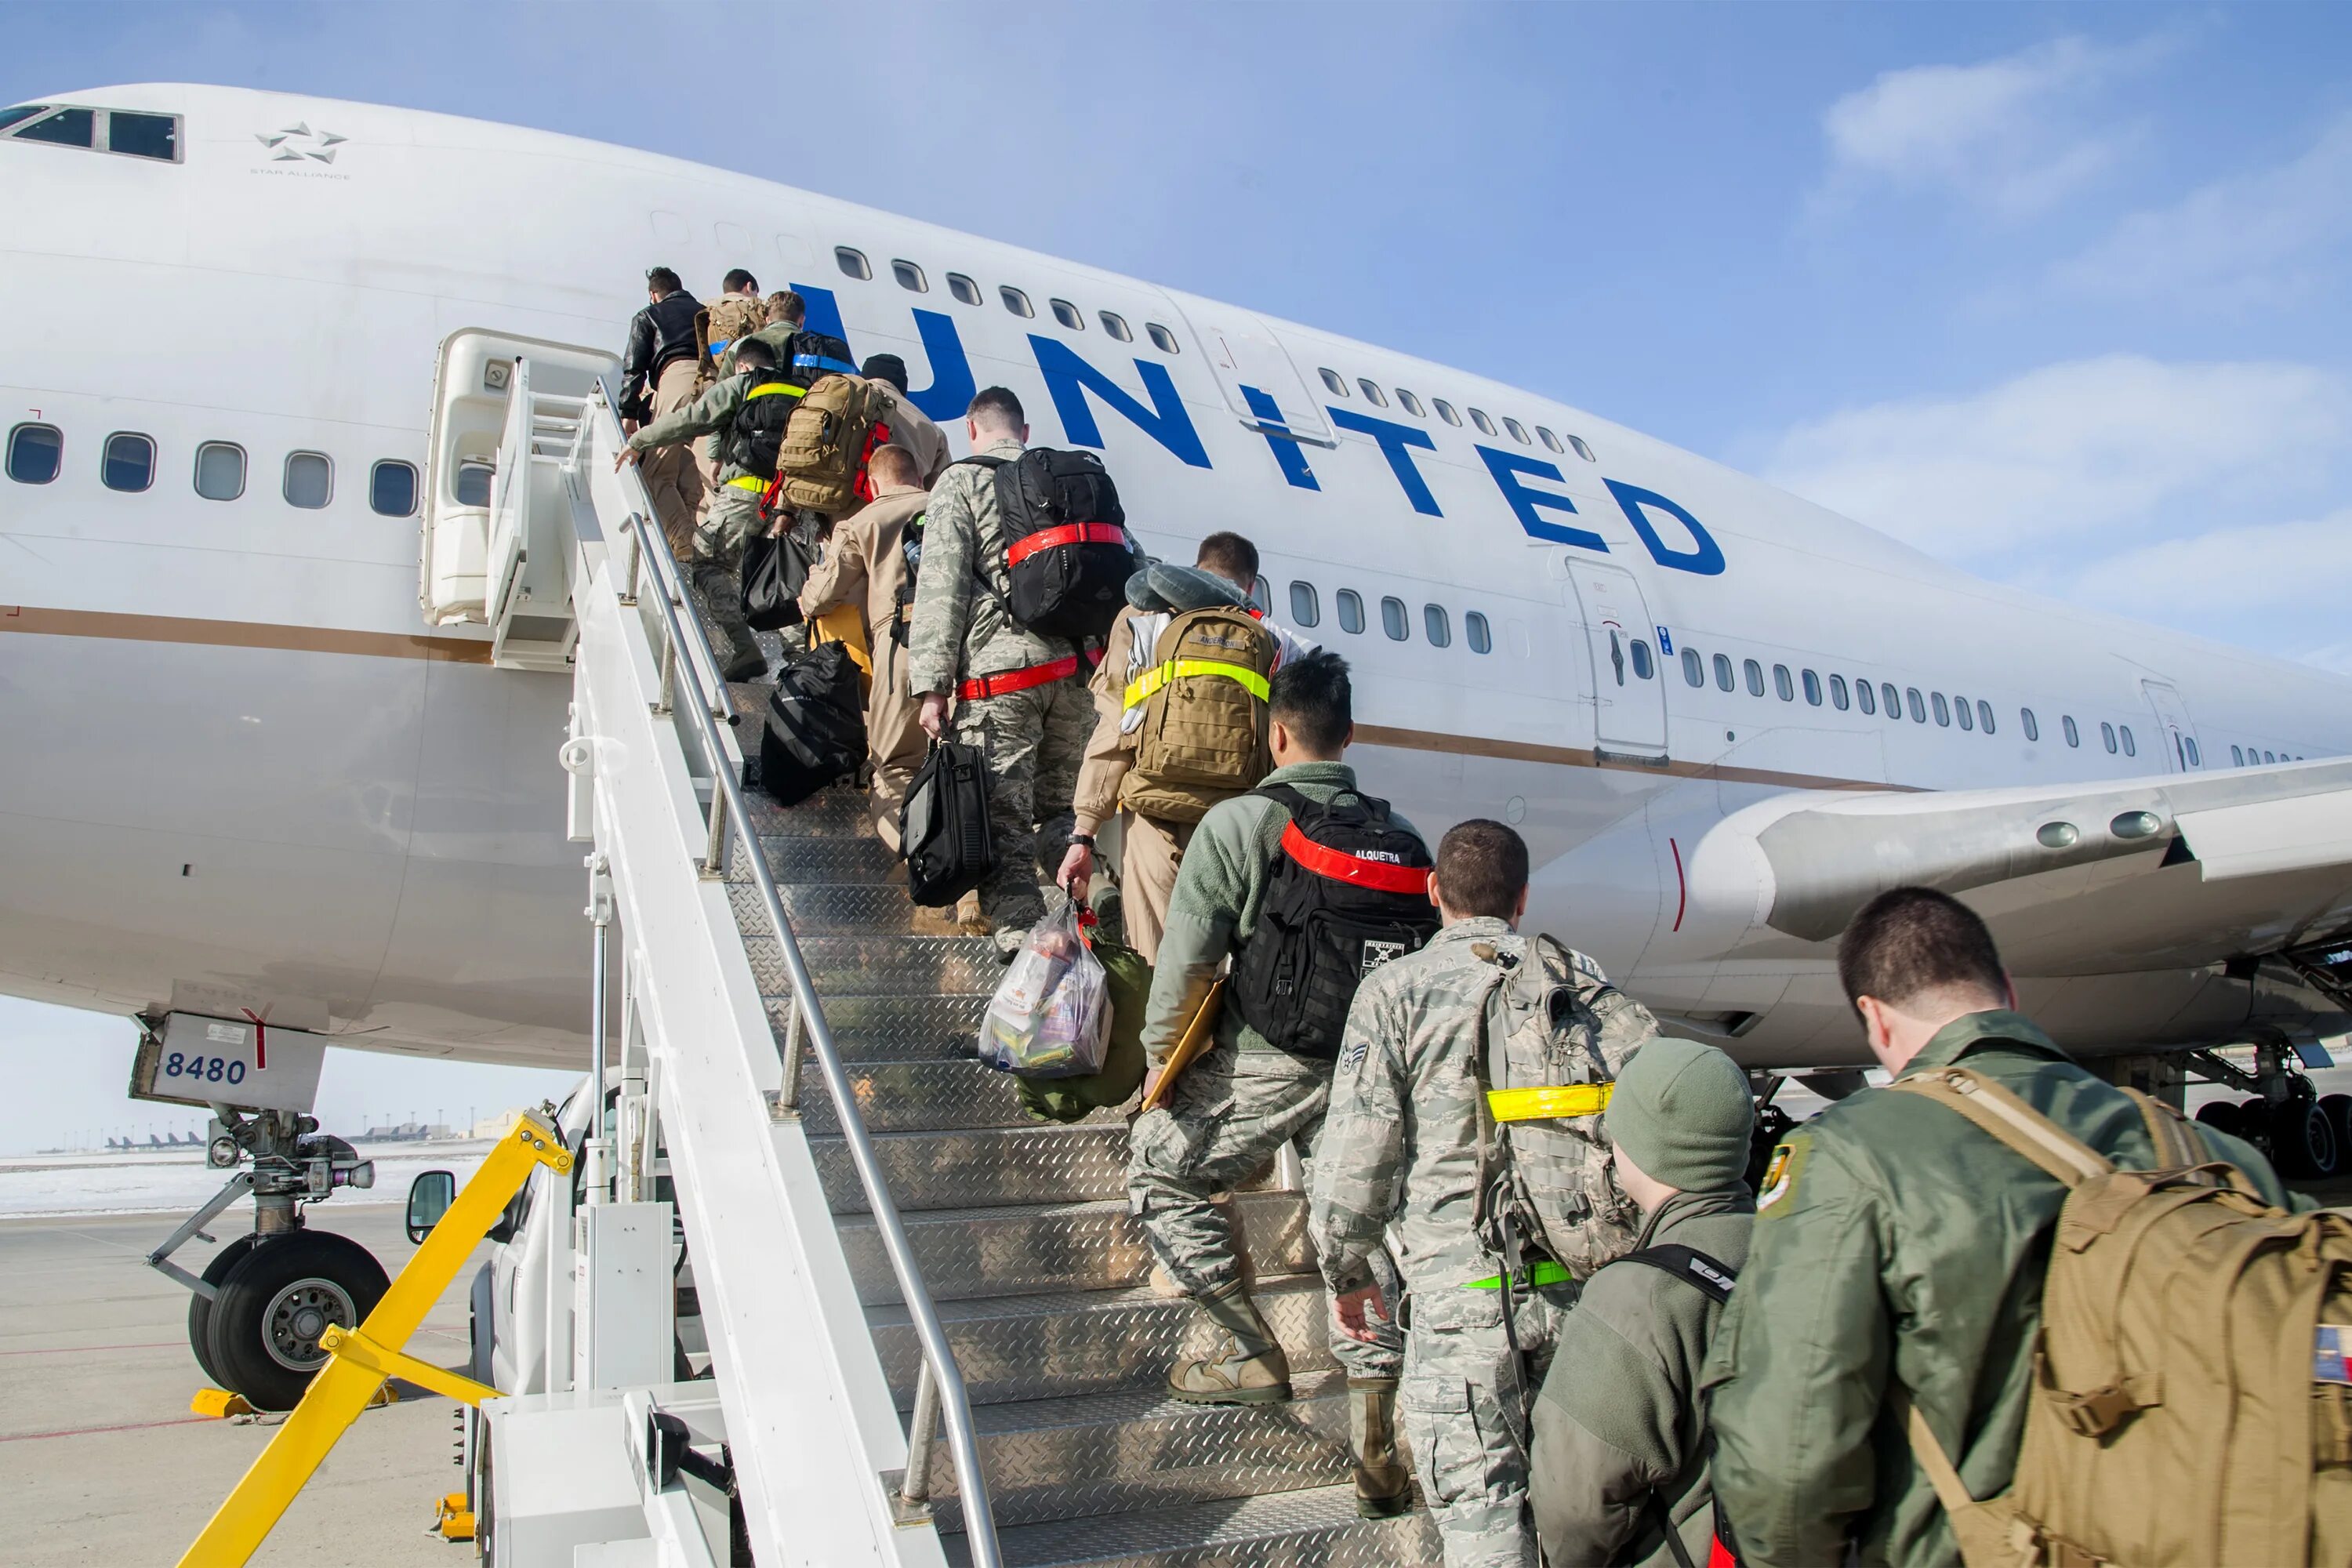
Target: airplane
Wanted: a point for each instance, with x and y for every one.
(263, 766)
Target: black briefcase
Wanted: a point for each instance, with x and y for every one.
(815, 732)
(943, 826)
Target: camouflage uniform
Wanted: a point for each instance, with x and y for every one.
(732, 519)
(1401, 1157)
(1035, 738)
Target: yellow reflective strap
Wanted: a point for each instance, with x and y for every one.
(1543, 1272)
(1551, 1100)
(747, 482)
(775, 389)
(1140, 688)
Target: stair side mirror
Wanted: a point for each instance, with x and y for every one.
(429, 1197)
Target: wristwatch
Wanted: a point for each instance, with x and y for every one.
(1086, 840)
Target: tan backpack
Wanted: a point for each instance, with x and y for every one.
(1203, 735)
(2180, 1416)
(730, 318)
(823, 460)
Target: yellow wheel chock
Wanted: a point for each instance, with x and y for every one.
(360, 1360)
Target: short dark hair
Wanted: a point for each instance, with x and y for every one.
(736, 281)
(1230, 556)
(662, 280)
(787, 306)
(1313, 700)
(1912, 940)
(754, 354)
(1482, 869)
(886, 367)
(894, 465)
(996, 407)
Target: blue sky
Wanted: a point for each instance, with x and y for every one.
(2056, 292)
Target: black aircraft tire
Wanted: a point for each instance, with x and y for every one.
(276, 1300)
(200, 1311)
(2337, 1108)
(2222, 1116)
(2302, 1142)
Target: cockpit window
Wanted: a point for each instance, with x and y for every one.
(66, 128)
(153, 136)
(22, 111)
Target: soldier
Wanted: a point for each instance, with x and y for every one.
(1404, 1149)
(865, 564)
(1153, 846)
(736, 313)
(909, 427)
(660, 370)
(1898, 1260)
(746, 414)
(1621, 1445)
(1237, 1105)
(1021, 699)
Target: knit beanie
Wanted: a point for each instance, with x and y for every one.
(1682, 1112)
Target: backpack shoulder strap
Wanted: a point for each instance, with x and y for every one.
(1284, 795)
(981, 460)
(1710, 1276)
(2017, 1124)
(2179, 1145)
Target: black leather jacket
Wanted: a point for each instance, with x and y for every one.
(659, 334)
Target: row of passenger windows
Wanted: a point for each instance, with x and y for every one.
(133, 135)
(1411, 404)
(127, 463)
(1396, 619)
(914, 280)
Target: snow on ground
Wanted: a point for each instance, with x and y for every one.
(177, 1181)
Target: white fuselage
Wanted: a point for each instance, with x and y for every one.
(244, 773)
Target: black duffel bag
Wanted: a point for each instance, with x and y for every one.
(943, 826)
(774, 571)
(815, 732)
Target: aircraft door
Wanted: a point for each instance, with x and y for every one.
(2172, 723)
(1629, 686)
(1254, 372)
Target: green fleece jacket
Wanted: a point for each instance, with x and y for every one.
(1214, 907)
(709, 414)
(1619, 1422)
(1899, 1248)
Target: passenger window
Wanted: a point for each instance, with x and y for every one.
(1261, 594)
(1475, 633)
(220, 471)
(1582, 450)
(1518, 431)
(963, 288)
(1783, 684)
(474, 483)
(1865, 696)
(1116, 327)
(1067, 314)
(1478, 417)
(1334, 380)
(1918, 709)
(1755, 673)
(910, 276)
(1838, 697)
(1436, 625)
(1550, 439)
(1162, 338)
(1372, 392)
(2074, 736)
(1393, 620)
(1445, 411)
(23, 112)
(1722, 672)
(66, 128)
(1645, 663)
(2237, 758)
(129, 463)
(1410, 404)
(1984, 715)
(1351, 611)
(153, 136)
(1812, 684)
(309, 480)
(391, 488)
(2194, 760)
(2033, 725)
(1968, 721)
(36, 452)
(2107, 734)
(1016, 302)
(1694, 668)
(1305, 609)
(2130, 750)
(852, 262)
(2267, 757)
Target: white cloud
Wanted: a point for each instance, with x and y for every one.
(2009, 134)
(2060, 457)
(2252, 236)
(2239, 571)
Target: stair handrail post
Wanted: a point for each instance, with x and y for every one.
(922, 1425)
(679, 620)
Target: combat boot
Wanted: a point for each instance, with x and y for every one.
(1248, 1366)
(1383, 1485)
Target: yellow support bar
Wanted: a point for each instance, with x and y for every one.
(353, 1345)
(357, 1366)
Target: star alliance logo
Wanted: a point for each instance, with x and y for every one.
(299, 142)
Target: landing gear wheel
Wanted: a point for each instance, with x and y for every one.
(2222, 1116)
(277, 1301)
(2337, 1108)
(2302, 1140)
(200, 1312)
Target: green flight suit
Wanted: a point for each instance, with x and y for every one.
(732, 518)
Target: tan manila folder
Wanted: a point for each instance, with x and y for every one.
(1197, 1035)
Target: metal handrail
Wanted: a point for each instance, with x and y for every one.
(941, 1378)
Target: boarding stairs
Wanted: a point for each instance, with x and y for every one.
(893, 1262)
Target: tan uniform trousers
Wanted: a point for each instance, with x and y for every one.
(1150, 855)
(672, 473)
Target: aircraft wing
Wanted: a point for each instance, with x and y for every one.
(2123, 875)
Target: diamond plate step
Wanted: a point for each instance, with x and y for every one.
(896, 1028)
(935, 1095)
(1119, 1452)
(1315, 1528)
(1089, 1342)
(793, 858)
(966, 1252)
(838, 908)
(880, 966)
(837, 811)
(1040, 1164)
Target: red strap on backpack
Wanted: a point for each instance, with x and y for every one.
(875, 440)
(1382, 876)
(1028, 545)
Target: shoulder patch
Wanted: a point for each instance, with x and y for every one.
(1781, 1175)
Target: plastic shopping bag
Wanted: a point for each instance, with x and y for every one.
(1051, 1018)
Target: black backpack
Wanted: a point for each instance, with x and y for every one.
(1066, 550)
(773, 572)
(943, 826)
(816, 725)
(1350, 890)
(902, 605)
(757, 433)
